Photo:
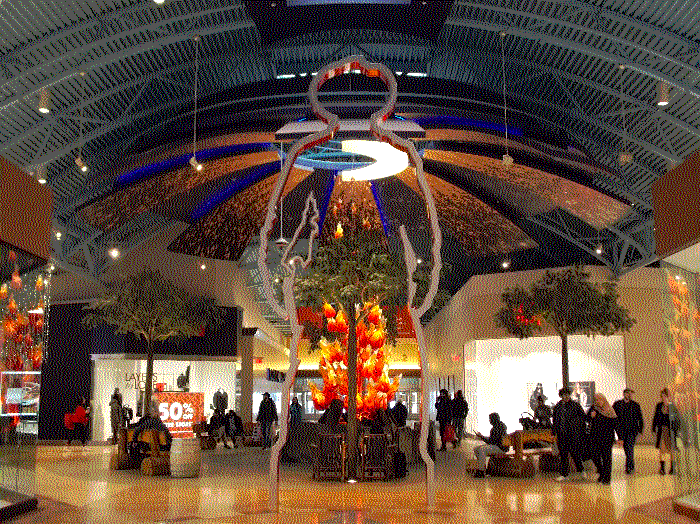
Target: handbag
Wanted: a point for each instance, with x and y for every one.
(450, 433)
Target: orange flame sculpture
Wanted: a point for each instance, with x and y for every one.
(372, 365)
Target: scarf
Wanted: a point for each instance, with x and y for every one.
(603, 407)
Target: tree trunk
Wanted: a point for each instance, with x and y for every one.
(352, 393)
(565, 361)
(149, 379)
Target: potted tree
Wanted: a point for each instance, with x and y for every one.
(569, 303)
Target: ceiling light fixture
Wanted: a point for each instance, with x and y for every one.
(599, 249)
(281, 242)
(40, 174)
(81, 164)
(625, 157)
(159, 2)
(285, 76)
(417, 75)
(389, 160)
(58, 235)
(203, 267)
(44, 101)
(505, 264)
(81, 140)
(678, 277)
(419, 260)
(507, 159)
(114, 253)
(197, 166)
(662, 98)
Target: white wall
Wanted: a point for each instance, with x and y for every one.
(504, 367)
(205, 377)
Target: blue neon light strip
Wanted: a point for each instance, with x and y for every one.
(145, 172)
(446, 120)
(236, 186)
(378, 200)
(327, 198)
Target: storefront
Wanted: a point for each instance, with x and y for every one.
(182, 375)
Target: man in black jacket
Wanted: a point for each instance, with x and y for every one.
(267, 414)
(493, 445)
(460, 409)
(443, 407)
(568, 425)
(630, 423)
(399, 413)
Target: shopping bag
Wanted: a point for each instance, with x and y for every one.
(450, 433)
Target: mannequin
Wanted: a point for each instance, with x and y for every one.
(221, 400)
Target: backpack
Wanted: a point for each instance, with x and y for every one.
(399, 465)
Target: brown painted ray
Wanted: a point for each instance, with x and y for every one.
(226, 232)
(480, 229)
(525, 183)
(126, 204)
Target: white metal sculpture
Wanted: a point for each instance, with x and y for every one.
(289, 309)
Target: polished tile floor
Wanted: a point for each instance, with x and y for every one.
(233, 489)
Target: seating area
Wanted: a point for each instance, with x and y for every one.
(156, 462)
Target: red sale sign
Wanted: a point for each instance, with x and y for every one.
(179, 410)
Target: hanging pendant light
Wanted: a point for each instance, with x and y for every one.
(44, 106)
(625, 156)
(196, 165)
(507, 159)
(79, 159)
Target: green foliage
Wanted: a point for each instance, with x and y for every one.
(358, 268)
(568, 302)
(151, 306)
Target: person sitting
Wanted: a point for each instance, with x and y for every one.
(493, 445)
(543, 414)
(153, 422)
(217, 427)
(234, 426)
(399, 413)
(330, 420)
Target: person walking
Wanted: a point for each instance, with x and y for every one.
(267, 414)
(115, 414)
(493, 445)
(568, 426)
(630, 423)
(460, 409)
(399, 413)
(662, 427)
(603, 421)
(444, 414)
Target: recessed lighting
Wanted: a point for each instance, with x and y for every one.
(114, 252)
(352, 481)
(599, 250)
(159, 2)
(203, 267)
(41, 180)
(678, 277)
(58, 235)
(52, 267)
(417, 74)
(277, 281)
(505, 264)
(419, 260)
(399, 73)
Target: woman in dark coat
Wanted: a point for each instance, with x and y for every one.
(603, 422)
(662, 428)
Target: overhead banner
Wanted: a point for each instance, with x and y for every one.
(179, 410)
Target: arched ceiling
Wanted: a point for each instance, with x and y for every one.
(563, 80)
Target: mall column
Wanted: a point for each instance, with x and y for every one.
(246, 352)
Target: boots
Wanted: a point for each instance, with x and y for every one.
(662, 468)
(670, 471)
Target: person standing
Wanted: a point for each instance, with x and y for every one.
(399, 413)
(630, 423)
(80, 422)
(460, 409)
(267, 414)
(568, 426)
(296, 412)
(115, 414)
(444, 414)
(603, 421)
(662, 427)
(493, 445)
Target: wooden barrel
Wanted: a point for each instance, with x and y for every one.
(185, 458)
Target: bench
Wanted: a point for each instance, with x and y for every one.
(519, 461)
(157, 462)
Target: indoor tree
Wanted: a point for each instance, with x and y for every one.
(151, 307)
(569, 303)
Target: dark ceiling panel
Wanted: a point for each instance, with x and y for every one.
(276, 21)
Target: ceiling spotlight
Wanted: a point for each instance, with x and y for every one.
(114, 253)
(159, 2)
(81, 164)
(621, 67)
(599, 250)
(625, 157)
(58, 235)
(507, 160)
(44, 101)
(196, 165)
(678, 277)
(52, 268)
(277, 280)
(505, 264)
(419, 260)
(203, 267)
(662, 97)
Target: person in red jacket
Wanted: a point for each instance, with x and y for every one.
(79, 421)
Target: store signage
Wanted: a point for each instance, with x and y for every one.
(179, 410)
(138, 380)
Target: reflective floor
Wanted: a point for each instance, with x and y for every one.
(233, 488)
